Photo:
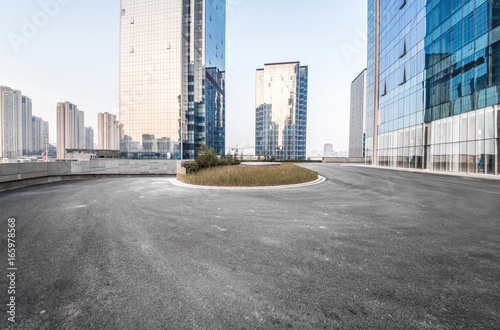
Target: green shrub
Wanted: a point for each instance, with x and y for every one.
(206, 158)
(191, 167)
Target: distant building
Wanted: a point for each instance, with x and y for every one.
(172, 77)
(16, 126)
(314, 154)
(27, 114)
(108, 132)
(281, 110)
(39, 135)
(80, 129)
(328, 150)
(11, 125)
(70, 128)
(89, 138)
(357, 116)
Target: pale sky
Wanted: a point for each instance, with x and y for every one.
(70, 52)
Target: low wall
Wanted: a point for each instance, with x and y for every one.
(27, 174)
(343, 160)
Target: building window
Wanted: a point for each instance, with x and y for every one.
(123, 12)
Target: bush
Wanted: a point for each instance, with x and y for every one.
(206, 158)
(191, 167)
(232, 160)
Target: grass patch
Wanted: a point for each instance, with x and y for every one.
(250, 176)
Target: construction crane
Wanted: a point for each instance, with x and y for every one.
(237, 149)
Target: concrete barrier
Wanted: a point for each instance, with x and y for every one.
(343, 160)
(27, 174)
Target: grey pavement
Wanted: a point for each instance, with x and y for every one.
(367, 249)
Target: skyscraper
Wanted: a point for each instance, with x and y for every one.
(108, 132)
(328, 150)
(70, 128)
(433, 85)
(11, 137)
(172, 77)
(357, 116)
(281, 110)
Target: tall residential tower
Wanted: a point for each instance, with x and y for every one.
(108, 132)
(281, 110)
(70, 128)
(172, 77)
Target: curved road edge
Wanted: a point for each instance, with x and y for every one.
(320, 179)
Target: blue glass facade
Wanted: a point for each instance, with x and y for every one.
(281, 111)
(439, 84)
(370, 80)
(172, 77)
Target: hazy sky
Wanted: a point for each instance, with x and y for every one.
(71, 53)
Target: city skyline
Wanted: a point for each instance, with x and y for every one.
(99, 57)
(21, 133)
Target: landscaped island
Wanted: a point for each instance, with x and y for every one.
(250, 176)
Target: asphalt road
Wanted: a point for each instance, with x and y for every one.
(369, 248)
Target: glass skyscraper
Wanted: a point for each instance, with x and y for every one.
(281, 111)
(172, 77)
(433, 85)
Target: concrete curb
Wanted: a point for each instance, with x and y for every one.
(455, 174)
(320, 179)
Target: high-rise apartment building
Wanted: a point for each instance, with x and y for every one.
(172, 77)
(27, 114)
(108, 132)
(16, 125)
(433, 85)
(11, 125)
(357, 117)
(39, 135)
(281, 110)
(46, 137)
(89, 138)
(328, 150)
(70, 128)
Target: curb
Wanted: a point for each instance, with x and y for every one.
(320, 179)
(491, 177)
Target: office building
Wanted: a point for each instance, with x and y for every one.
(172, 77)
(281, 111)
(89, 138)
(70, 128)
(433, 85)
(39, 135)
(108, 132)
(357, 116)
(328, 150)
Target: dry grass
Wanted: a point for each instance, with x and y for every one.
(250, 176)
